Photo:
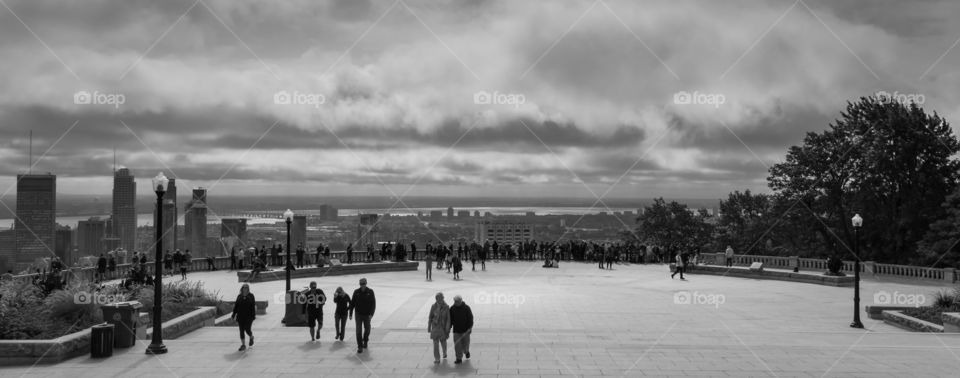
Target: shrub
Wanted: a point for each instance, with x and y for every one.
(944, 300)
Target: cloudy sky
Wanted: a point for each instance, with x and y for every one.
(390, 97)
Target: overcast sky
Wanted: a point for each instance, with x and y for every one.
(586, 89)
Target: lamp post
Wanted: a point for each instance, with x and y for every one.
(156, 345)
(288, 216)
(857, 223)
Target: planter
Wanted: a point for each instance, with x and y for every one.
(951, 322)
(910, 323)
(30, 352)
(183, 324)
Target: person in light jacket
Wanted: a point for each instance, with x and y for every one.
(438, 326)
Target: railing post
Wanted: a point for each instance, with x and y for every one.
(949, 275)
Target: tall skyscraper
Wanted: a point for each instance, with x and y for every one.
(328, 213)
(124, 214)
(298, 231)
(36, 217)
(195, 224)
(450, 212)
(169, 208)
(90, 235)
(64, 244)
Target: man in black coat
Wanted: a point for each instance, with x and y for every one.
(364, 303)
(461, 318)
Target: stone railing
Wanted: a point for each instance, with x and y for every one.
(866, 267)
(198, 264)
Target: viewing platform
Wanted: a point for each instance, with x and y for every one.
(338, 270)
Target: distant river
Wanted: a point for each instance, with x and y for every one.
(147, 219)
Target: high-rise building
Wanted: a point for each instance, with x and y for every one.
(8, 249)
(476, 213)
(298, 231)
(124, 215)
(450, 212)
(35, 224)
(90, 235)
(195, 224)
(436, 214)
(169, 208)
(328, 213)
(463, 214)
(64, 244)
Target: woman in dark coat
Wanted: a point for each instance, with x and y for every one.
(244, 312)
(340, 315)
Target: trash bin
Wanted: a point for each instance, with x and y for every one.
(101, 340)
(294, 315)
(124, 316)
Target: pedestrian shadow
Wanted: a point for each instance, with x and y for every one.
(337, 345)
(236, 355)
(446, 368)
(310, 345)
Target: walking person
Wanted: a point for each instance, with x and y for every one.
(461, 319)
(300, 253)
(428, 260)
(187, 261)
(342, 301)
(438, 326)
(315, 299)
(679, 262)
(457, 267)
(233, 258)
(729, 255)
(363, 303)
(244, 312)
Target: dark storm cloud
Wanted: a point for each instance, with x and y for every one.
(399, 86)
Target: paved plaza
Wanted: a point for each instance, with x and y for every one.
(576, 320)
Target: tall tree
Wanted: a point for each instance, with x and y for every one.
(890, 162)
(673, 224)
(744, 222)
(940, 247)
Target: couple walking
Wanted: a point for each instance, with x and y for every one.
(442, 319)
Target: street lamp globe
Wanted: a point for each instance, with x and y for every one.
(288, 215)
(160, 183)
(857, 221)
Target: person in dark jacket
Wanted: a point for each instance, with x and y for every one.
(461, 319)
(342, 300)
(315, 299)
(244, 312)
(364, 304)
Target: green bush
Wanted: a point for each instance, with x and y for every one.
(25, 313)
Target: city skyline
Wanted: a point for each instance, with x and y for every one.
(469, 98)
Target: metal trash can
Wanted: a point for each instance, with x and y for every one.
(294, 315)
(124, 316)
(101, 340)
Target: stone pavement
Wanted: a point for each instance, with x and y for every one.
(576, 320)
